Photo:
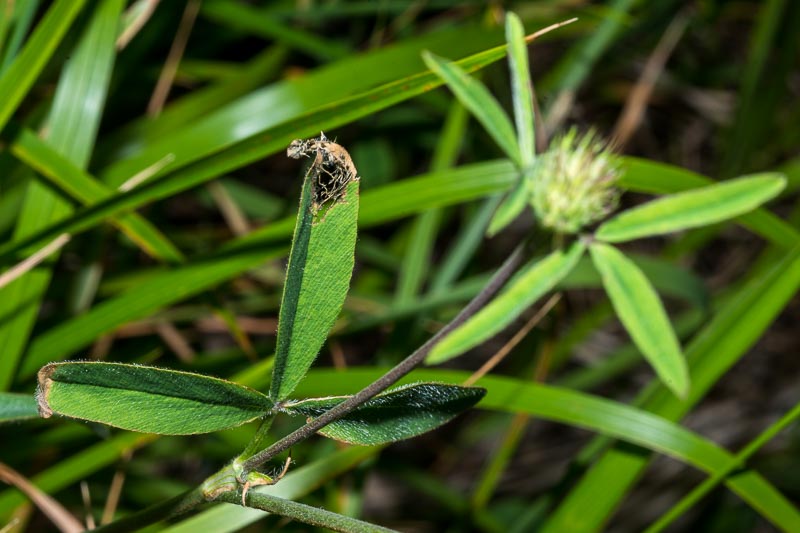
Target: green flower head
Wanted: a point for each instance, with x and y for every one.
(574, 182)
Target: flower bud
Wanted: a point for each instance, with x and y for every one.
(574, 182)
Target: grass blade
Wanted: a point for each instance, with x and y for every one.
(16, 407)
(740, 459)
(29, 149)
(713, 351)
(84, 80)
(261, 112)
(17, 80)
(635, 426)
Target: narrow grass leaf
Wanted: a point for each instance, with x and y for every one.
(521, 91)
(717, 347)
(608, 417)
(713, 481)
(146, 399)
(17, 80)
(475, 97)
(21, 20)
(75, 468)
(640, 310)
(78, 184)
(693, 209)
(521, 292)
(146, 298)
(400, 413)
(193, 170)
(15, 407)
(264, 112)
(317, 279)
(73, 122)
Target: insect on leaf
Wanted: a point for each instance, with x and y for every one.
(320, 262)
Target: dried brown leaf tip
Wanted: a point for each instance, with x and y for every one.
(332, 169)
(43, 390)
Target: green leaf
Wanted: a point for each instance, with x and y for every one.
(475, 97)
(29, 149)
(611, 418)
(668, 278)
(651, 177)
(715, 349)
(267, 120)
(26, 67)
(699, 207)
(201, 165)
(521, 89)
(146, 399)
(521, 292)
(396, 414)
(317, 279)
(640, 310)
(14, 407)
(72, 122)
(20, 21)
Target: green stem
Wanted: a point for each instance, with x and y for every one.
(393, 375)
(303, 513)
(256, 443)
(167, 509)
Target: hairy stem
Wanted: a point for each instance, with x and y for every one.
(303, 513)
(166, 509)
(195, 497)
(395, 374)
